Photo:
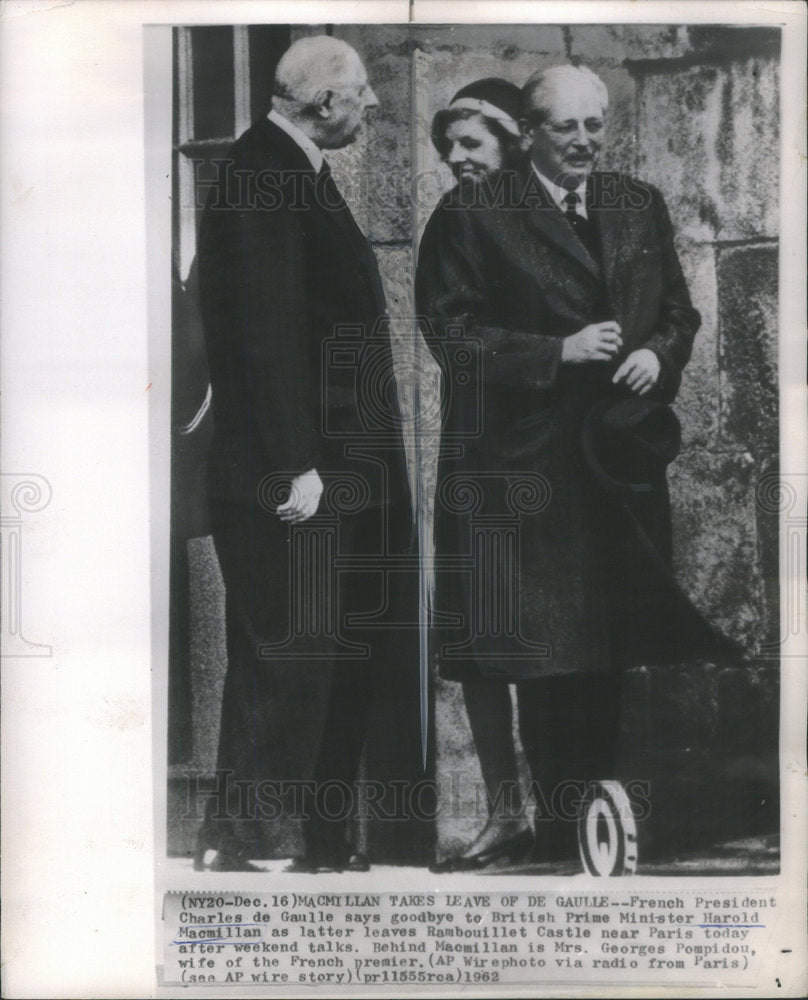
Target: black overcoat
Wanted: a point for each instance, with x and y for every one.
(296, 330)
(540, 571)
(302, 378)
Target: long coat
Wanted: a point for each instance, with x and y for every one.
(301, 371)
(296, 330)
(539, 571)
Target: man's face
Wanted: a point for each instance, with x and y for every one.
(566, 145)
(351, 98)
(472, 150)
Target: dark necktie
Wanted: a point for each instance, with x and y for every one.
(584, 228)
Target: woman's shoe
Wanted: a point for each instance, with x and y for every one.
(358, 862)
(513, 849)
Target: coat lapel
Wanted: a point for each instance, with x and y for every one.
(333, 206)
(338, 212)
(340, 215)
(546, 218)
(609, 220)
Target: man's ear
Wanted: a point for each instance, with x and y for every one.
(323, 102)
(526, 135)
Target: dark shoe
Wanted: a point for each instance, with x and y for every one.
(513, 849)
(328, 855)
(308, 864)
(224, 861)
(322, 859)
(357, 862)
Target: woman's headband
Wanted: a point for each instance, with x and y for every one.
(487, 109)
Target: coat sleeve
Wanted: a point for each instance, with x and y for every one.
(678, 321)
(254, 279)
(453, 299)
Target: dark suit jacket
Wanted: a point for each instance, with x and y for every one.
(294, 316)
(502, 281)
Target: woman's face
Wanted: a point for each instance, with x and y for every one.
(473, 151)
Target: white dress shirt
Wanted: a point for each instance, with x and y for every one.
(558, 194)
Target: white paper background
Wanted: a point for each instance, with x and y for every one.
(77, 745)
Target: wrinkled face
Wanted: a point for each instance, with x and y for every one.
(473, 151)
(350, 99)
(566, 145)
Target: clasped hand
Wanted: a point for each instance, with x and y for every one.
(640, 371)
(304, 498)
(601, 342)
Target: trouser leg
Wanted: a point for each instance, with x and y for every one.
(488, 705)
(272, 705)
(570, 728)
(333, 796)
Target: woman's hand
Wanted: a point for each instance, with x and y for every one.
(596, 342)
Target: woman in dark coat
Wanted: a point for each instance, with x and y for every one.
(476, 136)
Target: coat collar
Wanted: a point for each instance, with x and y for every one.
(283, 146)
(313, 152)
(333, 207)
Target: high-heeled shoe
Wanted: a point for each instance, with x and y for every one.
(513, 849)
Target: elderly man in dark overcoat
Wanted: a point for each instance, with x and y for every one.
(555, 290)
(306, 469)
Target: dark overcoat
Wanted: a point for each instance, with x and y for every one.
(539, 571)
(296, 329)
(302, 378)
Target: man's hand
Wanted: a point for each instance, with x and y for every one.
(304, 498)
(597, 342)
(640, 371)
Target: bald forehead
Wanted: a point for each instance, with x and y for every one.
(354, 69)
(578, 98)
(568, 90)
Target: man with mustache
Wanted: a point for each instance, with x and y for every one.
(567, 288)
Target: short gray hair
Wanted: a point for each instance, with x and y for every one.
(543, 83)
(311, 65)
